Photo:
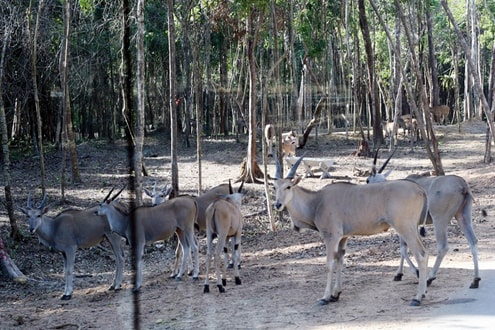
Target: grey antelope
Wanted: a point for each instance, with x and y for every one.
(152, 224)
(224, 219)
(70, 230)
(341, 210)
(448, 196)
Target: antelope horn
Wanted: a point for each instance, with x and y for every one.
(29, 201)
(386, 162)
(109, 193)
(42, 203)
(278, 173)
(240, 187)
(376, 155)
(117, 194)
(165, 187)
(294, 167)
(231, 191)
(154, 188)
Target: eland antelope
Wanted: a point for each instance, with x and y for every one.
(224, 219)
(341, 210)
(448, 196)
(155, 223)
(70, 230)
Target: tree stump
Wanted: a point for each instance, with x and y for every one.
(250, 176)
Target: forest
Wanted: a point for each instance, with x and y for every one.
(92, 70)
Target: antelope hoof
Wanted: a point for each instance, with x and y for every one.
(206, 289)
(230, 266)
(430, 280)
(238, 281)
(178, 279)
(398, 277)
(415, 302)
(335, 298)
(113, 288)
(221, 289)
(476, 283)
(66, 297)
(195, 278)
(224, 282)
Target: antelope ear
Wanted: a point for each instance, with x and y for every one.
(147, 192)
(296, 180)
(44, 210)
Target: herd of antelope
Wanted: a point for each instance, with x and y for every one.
(337, 211)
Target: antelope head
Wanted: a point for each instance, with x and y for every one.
(35, 214)
(376, 175)
(283, 191)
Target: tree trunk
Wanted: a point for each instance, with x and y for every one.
(9, 268)
(377, 118)
(9, 203)
(250, 174)
(172, 104)
(69, 130)
(435, 90)
(139, 124)
(33, 46)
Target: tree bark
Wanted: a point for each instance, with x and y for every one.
(139, 125)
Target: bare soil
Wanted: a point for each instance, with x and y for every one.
(283, 272)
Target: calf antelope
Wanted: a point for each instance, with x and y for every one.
(155, 223)
(224, 219)
(290, 141)
(341, 210)
(71, 230)
(448, 196)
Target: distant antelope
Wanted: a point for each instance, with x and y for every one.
(341, 210)
(71, 230)
(449, 196)
(440, 113)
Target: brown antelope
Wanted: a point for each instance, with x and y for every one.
(224, 219)
(153, 224)
(440, 113)
(449, 196)
(341, 210)
(71, 230)
(290, 141)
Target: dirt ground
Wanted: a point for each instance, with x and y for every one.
(283, 272)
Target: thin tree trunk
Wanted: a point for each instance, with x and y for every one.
(376, 116)
(33, 46)
(173, 114)
(69, 130)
